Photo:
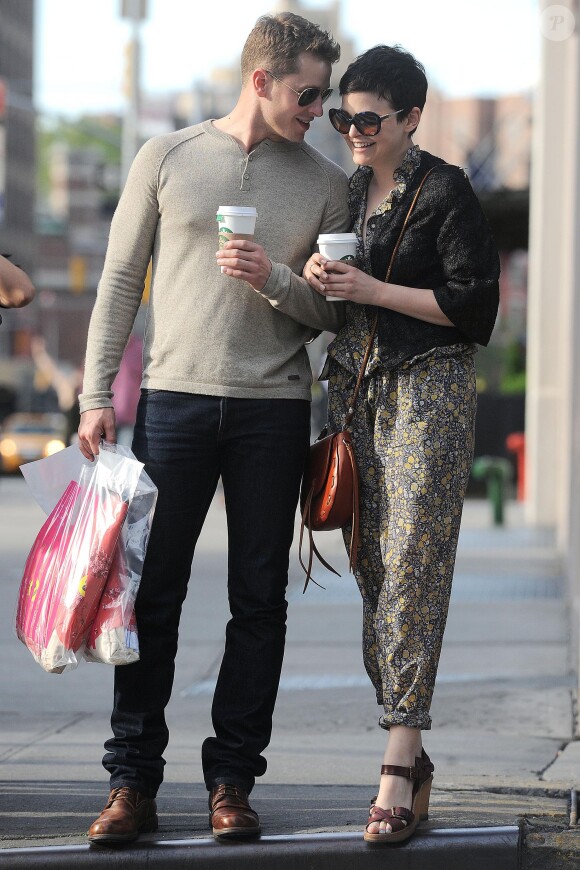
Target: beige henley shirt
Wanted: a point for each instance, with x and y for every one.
(205, 332)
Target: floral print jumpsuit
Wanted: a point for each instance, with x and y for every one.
(413, 434)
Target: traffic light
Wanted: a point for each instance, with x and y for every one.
(77, 274)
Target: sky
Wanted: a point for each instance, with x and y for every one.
(468, 48)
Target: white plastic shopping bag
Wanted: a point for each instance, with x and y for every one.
(81, 577)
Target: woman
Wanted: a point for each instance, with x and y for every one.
(414, 418)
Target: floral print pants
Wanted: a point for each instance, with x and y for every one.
(413, 434)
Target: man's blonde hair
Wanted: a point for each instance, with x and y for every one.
(276, 41)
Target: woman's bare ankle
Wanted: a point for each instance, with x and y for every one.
(403, 746)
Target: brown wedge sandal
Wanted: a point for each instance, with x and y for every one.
(403, 822)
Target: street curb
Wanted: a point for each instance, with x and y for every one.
(476, 848)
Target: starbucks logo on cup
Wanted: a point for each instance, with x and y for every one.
(235, 222)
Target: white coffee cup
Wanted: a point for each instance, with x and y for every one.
(338, 246)
(235, 222)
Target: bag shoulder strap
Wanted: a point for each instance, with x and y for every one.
(351, 405)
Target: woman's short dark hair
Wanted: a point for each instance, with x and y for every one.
(391, 73)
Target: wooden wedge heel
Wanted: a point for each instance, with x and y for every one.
(403, 822)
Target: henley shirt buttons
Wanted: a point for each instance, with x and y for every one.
(247, 175)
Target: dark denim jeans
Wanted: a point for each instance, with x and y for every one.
(258, 446)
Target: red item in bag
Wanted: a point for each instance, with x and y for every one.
(42, 587)
(74, 617)
(113, 635)
(66, 572)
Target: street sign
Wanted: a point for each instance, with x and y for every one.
(134, 9)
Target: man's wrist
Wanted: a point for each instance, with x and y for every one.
(267, 278)
(265, 284)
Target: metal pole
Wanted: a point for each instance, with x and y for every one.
(136, 12)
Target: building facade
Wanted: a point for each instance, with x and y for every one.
(17, 152)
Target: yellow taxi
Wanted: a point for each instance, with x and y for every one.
(26, 437)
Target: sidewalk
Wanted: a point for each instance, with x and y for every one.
(501, 739)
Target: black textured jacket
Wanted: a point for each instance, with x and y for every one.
(447, 247)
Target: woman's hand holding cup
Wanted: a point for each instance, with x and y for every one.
(339, 281)
(335, 251)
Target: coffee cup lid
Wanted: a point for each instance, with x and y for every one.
(238, 209)
(325, 238)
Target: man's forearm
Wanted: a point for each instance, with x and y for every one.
(294, 297)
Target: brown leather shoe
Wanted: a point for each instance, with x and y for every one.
(127, 814)
(230, 813)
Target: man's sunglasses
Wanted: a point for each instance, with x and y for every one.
(308, 95)
(367, 123)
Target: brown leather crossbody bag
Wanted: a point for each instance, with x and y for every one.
(329, 496)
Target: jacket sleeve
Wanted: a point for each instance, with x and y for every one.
(291, 293)
(121, 286)
(470, 295)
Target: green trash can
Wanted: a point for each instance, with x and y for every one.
(496, 472)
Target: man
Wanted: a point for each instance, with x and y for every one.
(226, 391)
(16, 288)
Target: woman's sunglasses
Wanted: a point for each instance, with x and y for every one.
(308, 95)
(367, 123)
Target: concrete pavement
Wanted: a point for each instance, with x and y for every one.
(503, 719)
